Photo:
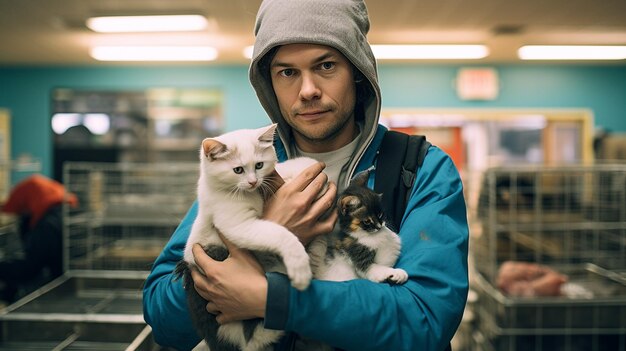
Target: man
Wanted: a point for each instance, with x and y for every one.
(315, 75)
(37, 202)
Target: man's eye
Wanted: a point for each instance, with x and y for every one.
(238, 170)
(288, 72)
(327, 65)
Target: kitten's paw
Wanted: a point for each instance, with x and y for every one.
(398, 276)
(381, 274)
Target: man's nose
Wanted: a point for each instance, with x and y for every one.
(309, 89)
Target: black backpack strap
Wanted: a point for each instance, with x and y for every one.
(399, 157)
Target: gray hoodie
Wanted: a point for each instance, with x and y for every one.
(341, 24)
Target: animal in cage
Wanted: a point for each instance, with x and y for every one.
(550, 267)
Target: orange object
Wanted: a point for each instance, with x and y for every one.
(529, 279)
(35, 195)
(448, 139)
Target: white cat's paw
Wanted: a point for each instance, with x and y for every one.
(299, 272)
(398, 276)
(301, 281)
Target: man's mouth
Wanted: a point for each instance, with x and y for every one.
(315, 112)
(312, 114)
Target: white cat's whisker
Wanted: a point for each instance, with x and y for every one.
(265, 189)
(235, 193)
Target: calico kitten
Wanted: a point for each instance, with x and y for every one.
(366, 248)
(235, 170)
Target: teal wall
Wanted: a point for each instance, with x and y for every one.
(26, 91)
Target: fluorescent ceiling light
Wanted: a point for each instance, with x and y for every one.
(97, 123)
(571, 52)
(248, 51)
(425, 52)
(64, 121)
(154, 53)
(174, 23)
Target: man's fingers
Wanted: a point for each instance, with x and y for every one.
(212, 308)
(303, 179)
(202, 259)
(327, 224)
(316, 186)
(222, 319)
(326, 201)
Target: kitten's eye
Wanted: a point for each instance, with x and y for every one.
(238, 170)
(258, 165)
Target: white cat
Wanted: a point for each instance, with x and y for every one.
(234, 172)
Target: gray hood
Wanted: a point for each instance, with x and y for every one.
(341, 24)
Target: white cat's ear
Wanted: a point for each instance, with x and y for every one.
(266, 138)
(213, 149)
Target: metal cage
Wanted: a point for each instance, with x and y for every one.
(571, 219)
(125, 215)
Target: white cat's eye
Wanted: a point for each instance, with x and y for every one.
(238, 170)
(259, 165)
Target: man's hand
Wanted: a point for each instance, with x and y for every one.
(296, 205)
(236, 288)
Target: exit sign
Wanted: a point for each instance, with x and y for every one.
(477, 84)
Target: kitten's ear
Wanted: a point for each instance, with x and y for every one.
(348, 204)
(266, 138)
(213, 149)
(361, 178)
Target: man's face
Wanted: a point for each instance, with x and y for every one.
(315, 88)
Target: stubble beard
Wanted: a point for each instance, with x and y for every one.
(322, 135)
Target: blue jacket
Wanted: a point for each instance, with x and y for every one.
(422, 314)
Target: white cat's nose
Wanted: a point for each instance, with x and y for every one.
(252, 183)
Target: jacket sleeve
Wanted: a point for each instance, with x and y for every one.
(164, 299)
(423, 313)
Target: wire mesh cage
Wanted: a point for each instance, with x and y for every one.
(10, 246)
(125, 215)
(571, 220)
(126, 212)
